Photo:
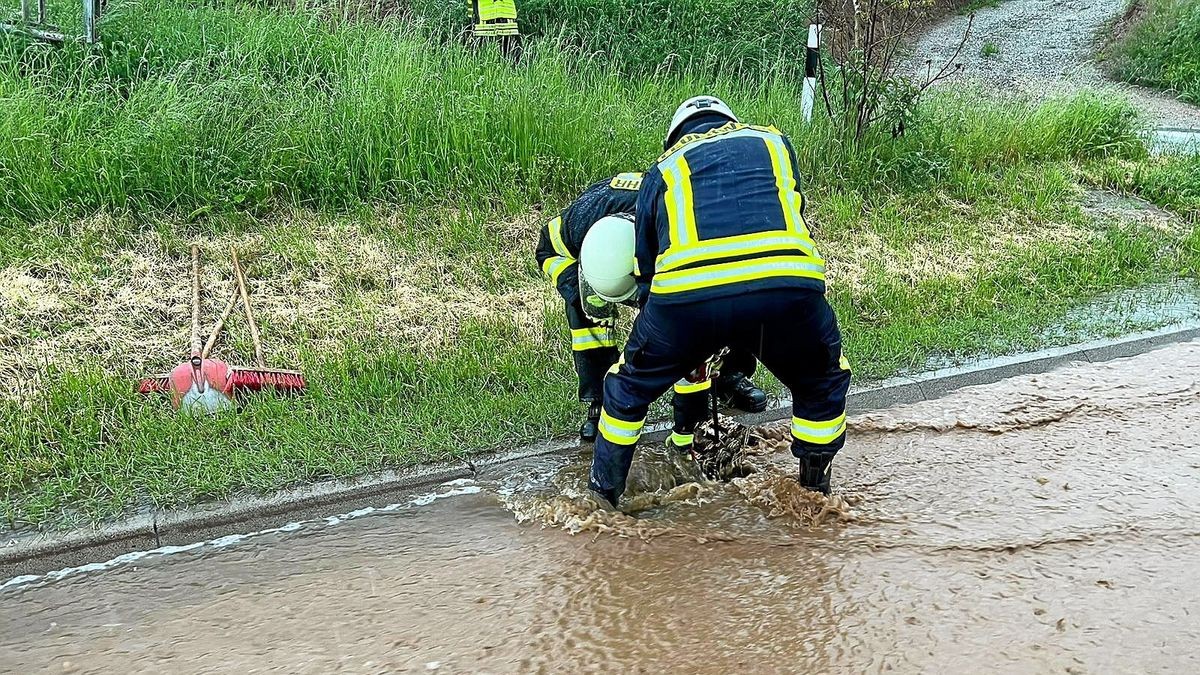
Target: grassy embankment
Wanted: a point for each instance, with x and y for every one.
(386, 184)
(1162, 48)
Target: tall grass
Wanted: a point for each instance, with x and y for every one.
(652, 37)
(1163, 48)
(240, 109)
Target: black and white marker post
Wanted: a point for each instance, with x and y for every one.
(811, 54)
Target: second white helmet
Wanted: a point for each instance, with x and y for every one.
(606, 258)
(697, 105)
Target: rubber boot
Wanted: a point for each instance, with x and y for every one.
(606, 499)
(735, 390)
(591, 425)
(815, 471)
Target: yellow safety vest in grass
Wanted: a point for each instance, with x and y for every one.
(495, 17)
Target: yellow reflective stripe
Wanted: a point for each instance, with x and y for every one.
(685, 387)
(789, 198)
(729, 247)
(843, 362)
(496, 29)
(682, 440)
(729, 129)
(820, 433)
(554, 267)
(735, 272)
(678, 198)
(554, 227)
(583, 339)
(619, 431)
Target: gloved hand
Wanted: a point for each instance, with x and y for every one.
(600, 310)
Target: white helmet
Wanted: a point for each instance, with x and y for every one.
(695, 106)
(606, 258)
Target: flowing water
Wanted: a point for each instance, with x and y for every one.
(1043, 524)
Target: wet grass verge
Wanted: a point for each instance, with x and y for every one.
(83, 447)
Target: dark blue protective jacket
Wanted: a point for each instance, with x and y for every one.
(720, 214)
(562, 237)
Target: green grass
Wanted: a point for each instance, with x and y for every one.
(653, 37)
(989, 49)
(363, 165)
(264, 107)
(1170, 181)
(976, 5)
(1163, 49)
(90, 445)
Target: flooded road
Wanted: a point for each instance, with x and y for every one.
(1042, 524)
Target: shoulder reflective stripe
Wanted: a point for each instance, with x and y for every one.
(619, 431)
(554, 267)
(682, 440)
(583, 339)
(727, 131)
(554, 227)
(785, 181)
(722, 130)
(734, 272)
(685, 387)
(678, 178)
(820, 433)
(728, 247)
(626, 181)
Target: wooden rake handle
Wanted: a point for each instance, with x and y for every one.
(216, 331)
(195, 300)
(241, 280)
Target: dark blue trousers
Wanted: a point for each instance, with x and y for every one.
(794, 334)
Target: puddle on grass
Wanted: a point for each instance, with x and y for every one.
(1174, 141)
(1044, 523)
(1150, 307)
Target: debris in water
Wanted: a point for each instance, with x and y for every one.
(783, 496)
(720, 447)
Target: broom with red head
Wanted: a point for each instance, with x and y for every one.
(259, 377)
(212, 384)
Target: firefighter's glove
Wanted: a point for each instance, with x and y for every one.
(600, 310)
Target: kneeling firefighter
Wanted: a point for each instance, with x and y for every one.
(600, 220)
(724, 257)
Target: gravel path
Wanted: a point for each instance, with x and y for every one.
(1045, 47)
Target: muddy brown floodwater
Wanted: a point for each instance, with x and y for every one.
(1043, 524)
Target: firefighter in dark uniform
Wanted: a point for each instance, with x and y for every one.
(591, 318)
(723, 256)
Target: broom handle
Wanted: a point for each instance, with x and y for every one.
(216, 331)
(195, 300)
(241, 279)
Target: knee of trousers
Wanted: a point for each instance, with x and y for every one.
(622, 400)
